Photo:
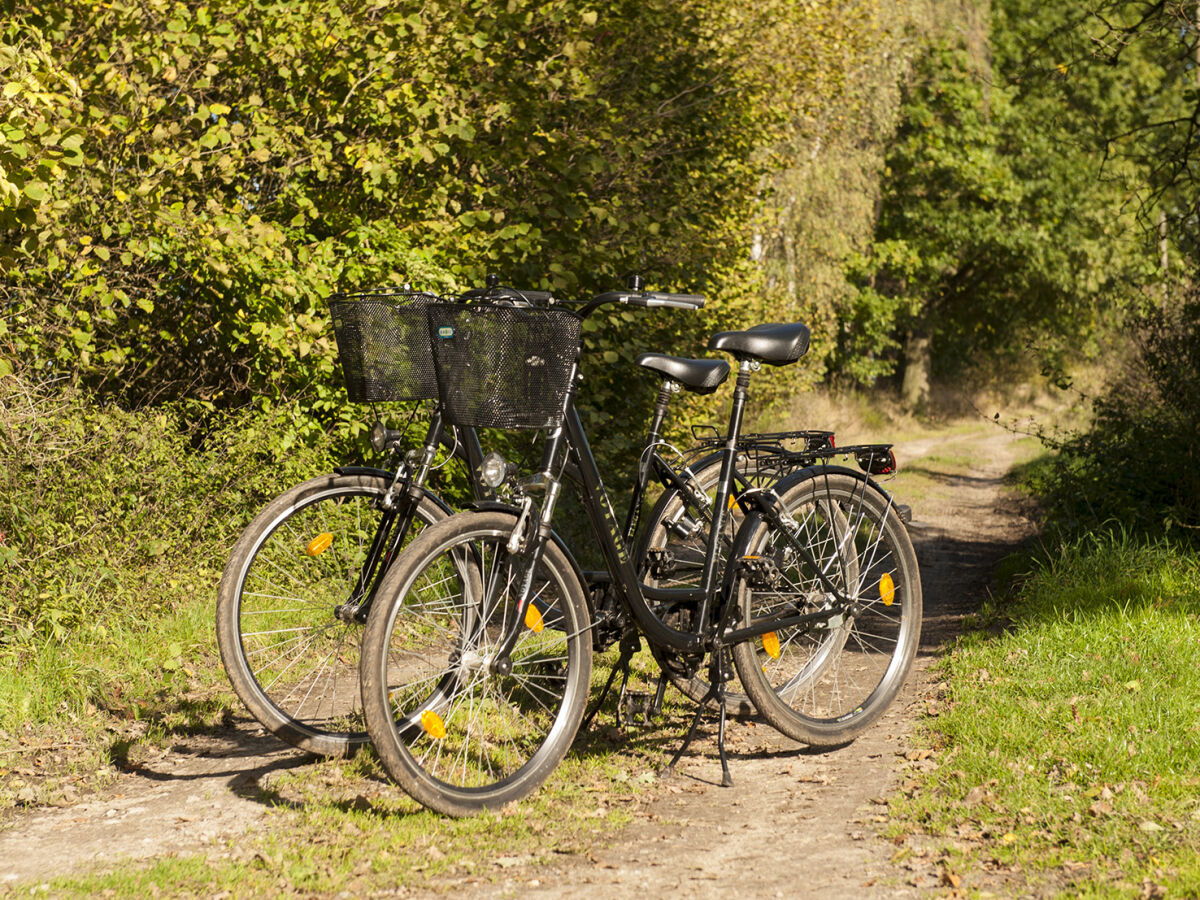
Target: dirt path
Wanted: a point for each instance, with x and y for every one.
(794, 818)
(807, 822)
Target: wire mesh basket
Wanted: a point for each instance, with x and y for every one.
(503, 366)
(383, 344)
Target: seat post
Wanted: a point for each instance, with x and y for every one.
(725, 483)
(668, 388)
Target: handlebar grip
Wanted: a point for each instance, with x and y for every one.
(678, 301)
(652, 298)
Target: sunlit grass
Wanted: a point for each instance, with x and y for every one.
(1068, 747)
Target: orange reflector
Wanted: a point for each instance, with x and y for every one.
(887, 589)
(319, 544)
(732, 500)
(533, 619)
(770, 642)
(433, 724)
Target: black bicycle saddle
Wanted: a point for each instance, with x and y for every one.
(778, 344)
(700, 375)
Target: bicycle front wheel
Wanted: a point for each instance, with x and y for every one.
(458, 727)
(290, 659)
(827, 681)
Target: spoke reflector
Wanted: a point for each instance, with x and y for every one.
(533, 619)
(887, 589)
(770, 642)
(319, 544)
(433, 724)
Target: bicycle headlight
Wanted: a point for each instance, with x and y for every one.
(378, 436)
(493, 470)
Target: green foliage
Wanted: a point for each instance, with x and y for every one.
(999, 229)
(185, 186)
(1133, 65)
(1137, 466)
(825, 189)
(111, 517)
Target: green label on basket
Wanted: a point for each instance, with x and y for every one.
(445, 331)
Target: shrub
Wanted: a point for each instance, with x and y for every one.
(110, 512)
(1139, 464)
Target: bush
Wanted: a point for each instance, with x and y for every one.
(107, 513)
(1139, 464)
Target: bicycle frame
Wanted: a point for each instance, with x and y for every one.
(571, 439)
(399, 506)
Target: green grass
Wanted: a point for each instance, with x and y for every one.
(72, 708)
(342, 826)
(1069, 746)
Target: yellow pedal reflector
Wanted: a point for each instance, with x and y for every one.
(319, 544)
(433, 724)
(533, 619)
(771, 644)
(887, 589)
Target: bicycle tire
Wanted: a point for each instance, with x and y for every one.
(270, 650)
(811, 689)
(458, 737)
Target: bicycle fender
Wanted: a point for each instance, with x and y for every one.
(384, 473)
(808, 474)
(515, 511)
(492, 506)
(766, 499)
(365, 470)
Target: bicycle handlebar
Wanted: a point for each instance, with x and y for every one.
(647, 298)
(495, 293)
(512, 295)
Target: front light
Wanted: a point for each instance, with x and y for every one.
(493, 470)
(378, 437)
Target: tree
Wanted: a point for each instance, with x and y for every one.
(999, 229)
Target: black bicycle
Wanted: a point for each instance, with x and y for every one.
(476, 659)
(302, 576)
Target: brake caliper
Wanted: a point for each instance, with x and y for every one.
(661, 563)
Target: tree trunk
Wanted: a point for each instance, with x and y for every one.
(918, 360)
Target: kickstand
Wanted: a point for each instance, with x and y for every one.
(660, 692)
(716, 691)
(630, 644)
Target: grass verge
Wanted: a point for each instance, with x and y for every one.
(342, 828)
(1066, 754)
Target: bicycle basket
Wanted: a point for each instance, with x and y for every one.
(503, 366)
(383, 345)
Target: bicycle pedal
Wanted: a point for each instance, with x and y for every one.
(637, 708)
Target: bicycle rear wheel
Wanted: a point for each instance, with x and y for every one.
(825, 683)
(290, 659)
(458, 733)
